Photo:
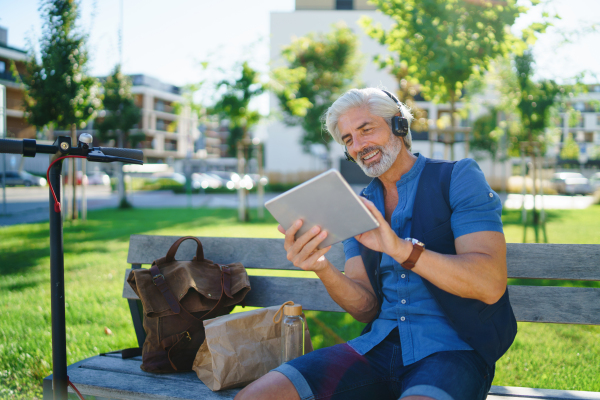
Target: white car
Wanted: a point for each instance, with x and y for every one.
(595, 181)
(571, 183)
(98, 178)
(205, 181)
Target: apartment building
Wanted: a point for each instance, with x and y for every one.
(170, 135)
(16, 125)
(587, 130)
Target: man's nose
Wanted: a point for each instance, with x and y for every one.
(358, 144)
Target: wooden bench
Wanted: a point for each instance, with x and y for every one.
(109, 376)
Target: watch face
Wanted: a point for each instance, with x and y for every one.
(415, 241)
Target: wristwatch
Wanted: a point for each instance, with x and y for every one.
(418, 248)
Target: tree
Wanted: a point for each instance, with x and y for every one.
(121, 116)
(58, 90)
(233, 104)
(487, 134)
(440, 44)
(570, 149)
(320, 68)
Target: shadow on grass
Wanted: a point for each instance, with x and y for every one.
(513, 217)
(31, 242)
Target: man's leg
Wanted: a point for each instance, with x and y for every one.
(272, 386)
(336, 373)
(448, 375)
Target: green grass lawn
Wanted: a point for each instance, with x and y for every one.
(544, 355)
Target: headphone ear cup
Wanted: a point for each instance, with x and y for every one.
(399, 126)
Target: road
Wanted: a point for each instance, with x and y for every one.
(31, 204)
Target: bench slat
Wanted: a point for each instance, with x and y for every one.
(529, 260)
(511, 392)
(566, 305)
(115, 381)
(251, 252)
(553, 261)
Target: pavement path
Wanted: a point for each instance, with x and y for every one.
(31, 204)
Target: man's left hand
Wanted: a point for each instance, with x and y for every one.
(383, 239)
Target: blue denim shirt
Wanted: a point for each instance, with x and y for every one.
(407, 304)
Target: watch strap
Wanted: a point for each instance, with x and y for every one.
(414, 256)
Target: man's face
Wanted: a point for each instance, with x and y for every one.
(369, 141)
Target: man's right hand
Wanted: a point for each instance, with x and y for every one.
(303, 252)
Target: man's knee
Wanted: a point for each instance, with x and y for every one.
(272, 386)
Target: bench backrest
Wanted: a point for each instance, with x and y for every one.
(570, 305)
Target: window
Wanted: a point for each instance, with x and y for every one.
(2, 67)
(344, 4)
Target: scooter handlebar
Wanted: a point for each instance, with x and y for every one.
(11, 146)
(123, 153)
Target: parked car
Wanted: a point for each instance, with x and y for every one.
(571, 183)
(14, 178)
(595, 181)
(205, 181)
(98, 178)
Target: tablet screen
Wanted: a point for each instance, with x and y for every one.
(326, 200)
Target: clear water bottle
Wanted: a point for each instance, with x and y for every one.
(292, 333)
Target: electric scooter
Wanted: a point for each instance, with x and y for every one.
(63, 148)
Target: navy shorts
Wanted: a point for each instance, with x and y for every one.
(339, 372)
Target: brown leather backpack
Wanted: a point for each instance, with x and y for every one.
(177, 296)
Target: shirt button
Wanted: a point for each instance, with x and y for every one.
(403, 301)
(403, 276)
(491, 195)
(402, 319)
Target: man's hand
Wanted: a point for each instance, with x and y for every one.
(303, 253)
(383, 239)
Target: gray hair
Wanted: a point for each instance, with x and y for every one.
(377, 102)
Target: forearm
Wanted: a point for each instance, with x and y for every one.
(476, 272)
(470, 275)
(349, 294)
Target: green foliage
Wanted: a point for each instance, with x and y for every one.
(320, 67)
(441, 43)
(536, 100)
(486, 135)
(121, 112)
(570, 149)
(58, 90)
(234, 102)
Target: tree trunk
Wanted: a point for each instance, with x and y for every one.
(73, 173)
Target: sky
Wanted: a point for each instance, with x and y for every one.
(168, 39)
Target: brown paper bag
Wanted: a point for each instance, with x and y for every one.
(240, 348)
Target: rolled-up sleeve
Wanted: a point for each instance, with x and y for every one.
(351, 248)
(475, 206)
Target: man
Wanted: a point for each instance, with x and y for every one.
(438, 316)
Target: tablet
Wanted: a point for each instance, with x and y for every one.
(325, 200)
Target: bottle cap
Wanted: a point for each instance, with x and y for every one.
(296, 309)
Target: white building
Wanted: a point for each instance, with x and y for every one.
(284, 155)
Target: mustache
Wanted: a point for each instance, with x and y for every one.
(366, 151)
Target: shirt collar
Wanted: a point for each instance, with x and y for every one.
(407, 177)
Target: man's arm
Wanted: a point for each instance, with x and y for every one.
(352, 291)
(477, 271)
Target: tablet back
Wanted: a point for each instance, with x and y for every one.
(328, 201)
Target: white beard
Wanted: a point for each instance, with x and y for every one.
(389, 153)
